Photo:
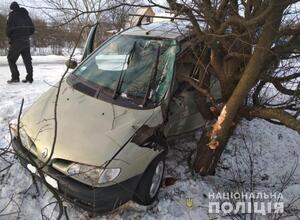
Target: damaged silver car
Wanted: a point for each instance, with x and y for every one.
(115, 113)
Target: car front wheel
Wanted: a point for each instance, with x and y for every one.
(149, 185)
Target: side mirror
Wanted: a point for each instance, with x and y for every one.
(72, 64)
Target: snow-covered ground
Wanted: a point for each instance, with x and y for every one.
(272, 152)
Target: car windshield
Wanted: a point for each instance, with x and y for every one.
(131, 61)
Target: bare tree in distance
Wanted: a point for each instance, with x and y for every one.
(109, 15)
(70, 9)
(88, 11)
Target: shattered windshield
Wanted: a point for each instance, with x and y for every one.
(126, 64)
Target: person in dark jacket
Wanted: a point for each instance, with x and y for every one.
(19, 29)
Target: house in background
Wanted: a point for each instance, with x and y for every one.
(133, 20)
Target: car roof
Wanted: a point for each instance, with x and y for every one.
(166, 29)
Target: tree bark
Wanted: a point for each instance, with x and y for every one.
(214, 140)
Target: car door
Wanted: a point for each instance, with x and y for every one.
(183, 113)
(187, 111)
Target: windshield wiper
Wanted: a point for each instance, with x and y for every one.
(152, 78)
(122, 74)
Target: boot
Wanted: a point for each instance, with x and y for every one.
(27, 80)
(13, 81)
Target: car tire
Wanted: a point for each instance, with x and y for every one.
(148, 187)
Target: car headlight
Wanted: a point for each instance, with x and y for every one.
(92, 174)
(109, 175)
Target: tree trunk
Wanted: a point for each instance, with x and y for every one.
(214, 140)
(206, 158)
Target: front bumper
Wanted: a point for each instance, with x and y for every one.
(92, 199)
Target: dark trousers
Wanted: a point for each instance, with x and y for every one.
(17, 48)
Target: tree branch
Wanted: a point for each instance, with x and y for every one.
(278, 114)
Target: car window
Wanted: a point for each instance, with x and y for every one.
(134, 57)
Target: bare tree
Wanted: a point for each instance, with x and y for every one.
(252, 47)
(88, 12)
(67, 10)
(75, 14)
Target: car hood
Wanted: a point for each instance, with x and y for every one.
(89, 130)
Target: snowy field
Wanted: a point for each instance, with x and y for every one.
(260, 157)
